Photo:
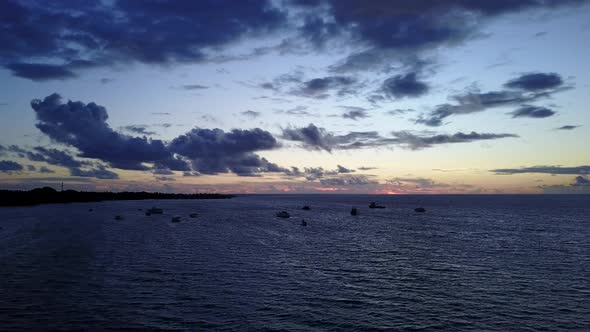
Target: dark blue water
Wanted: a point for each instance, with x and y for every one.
(493, 263)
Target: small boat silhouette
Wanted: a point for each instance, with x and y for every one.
(176, 219)
(306, 208)
(420, 209)
(193, 215)
(354, 212)
(283, 214)
(374, 205)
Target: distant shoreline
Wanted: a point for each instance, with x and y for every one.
(47, 195)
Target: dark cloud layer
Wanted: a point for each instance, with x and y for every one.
(66, 37)
(391, 30)
(97, 33)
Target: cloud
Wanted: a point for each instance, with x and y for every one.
(73, 36)
(194, 87)
(164, 178)
(420, 185)
(207, 151)
(9, 166)
(115, 32)
(45, 170)
(214, 151)
(579, 185)
(399, 31)
(65, 159)
(342, 169)
(250, 114)
(354, 113)
(581, 181)
(53, 157)
(555, 170)
(530, 111)
(138, 129)
(535, 82)
(84, 126)
(567, 127)
(350, 180)
(315, 138)
(476, 101)
(162, 171)
(418, 182)
(399, 111)
(315, 173)
(319, 88)
(415, 142)
(100, 173)
(401, 86)
(40, 72)
(297, 111)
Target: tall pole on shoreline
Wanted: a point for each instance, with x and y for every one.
(62, 186)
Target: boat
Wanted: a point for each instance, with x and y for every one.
(193, 215)
(306, 208)
(354, 212)
(374, 205)
(119, 218)
(420, 209)
(303, 222)
(283, 214)
(176, 219)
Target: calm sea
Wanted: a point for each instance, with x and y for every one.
(479, 263)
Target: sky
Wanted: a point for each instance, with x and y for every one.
(296, 96)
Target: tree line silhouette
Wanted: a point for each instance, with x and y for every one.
(47, 195)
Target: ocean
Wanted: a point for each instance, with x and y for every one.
(470, 263)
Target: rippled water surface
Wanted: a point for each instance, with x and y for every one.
(493, 263)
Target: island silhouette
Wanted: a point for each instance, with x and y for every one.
(48, 195)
